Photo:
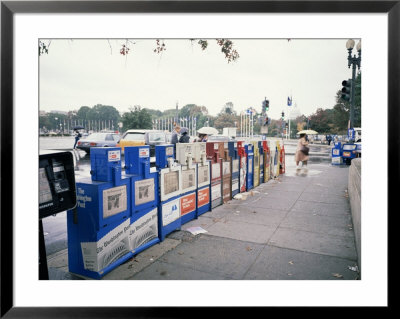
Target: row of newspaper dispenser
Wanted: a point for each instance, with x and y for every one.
(120, 213)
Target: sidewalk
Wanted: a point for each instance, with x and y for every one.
(291, 228)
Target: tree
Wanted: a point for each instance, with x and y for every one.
(136, 118)
(83, 112)
(226, 47)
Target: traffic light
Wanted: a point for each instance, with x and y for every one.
(346, 90)
(266, 105)
(283, 115)
(266, 122)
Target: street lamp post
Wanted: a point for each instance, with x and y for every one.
(354, 62)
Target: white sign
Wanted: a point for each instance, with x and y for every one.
(114, 156)
(111, 247)
(143, 152)
(170, 211)
(143, 230)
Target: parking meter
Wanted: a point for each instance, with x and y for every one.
(256, 165)
(235, 164)
(184, 154)
(170, 189)
(203, 178)
(250, 166)
(98, 228)
(243, 166)
(213, 155)
(143, 231)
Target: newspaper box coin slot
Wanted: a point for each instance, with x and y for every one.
(235, 164)
(203, 202)
(185, 154)
(170, 190)
(226, 172)
(243, 166)
(98, 228)
(213, 155)
(250, 166)
(144, 198)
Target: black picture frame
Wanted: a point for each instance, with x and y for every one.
(9, 8)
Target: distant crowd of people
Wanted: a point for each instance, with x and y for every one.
(180, 135)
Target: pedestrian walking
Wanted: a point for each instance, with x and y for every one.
(329, 139)
(302, 154)
(175, 132)
(78, 135)
(184, 135)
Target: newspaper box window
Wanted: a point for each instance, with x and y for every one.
(256, 156)
(261, 152)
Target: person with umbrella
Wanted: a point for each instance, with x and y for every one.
(302, 153)
(184, 135)
(78, 135)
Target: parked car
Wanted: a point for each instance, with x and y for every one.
(98, 140)
(143, 137)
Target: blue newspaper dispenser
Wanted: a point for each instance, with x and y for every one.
(250, 169)
(170, 189)
(337, 154)
(261, 151)
(203, 201)
(184, 155)
(233, 153)
(144, 198)
(98, 227)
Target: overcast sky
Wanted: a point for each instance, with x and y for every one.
(89, 72)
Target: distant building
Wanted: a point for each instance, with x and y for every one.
(42, 113)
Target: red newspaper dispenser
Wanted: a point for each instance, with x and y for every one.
(243, 166)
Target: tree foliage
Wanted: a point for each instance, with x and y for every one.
(136, 118)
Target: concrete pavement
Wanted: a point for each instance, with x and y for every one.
(291, 228)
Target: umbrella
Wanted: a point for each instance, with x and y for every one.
(78, 127)
(308, 132)
(208, 130)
